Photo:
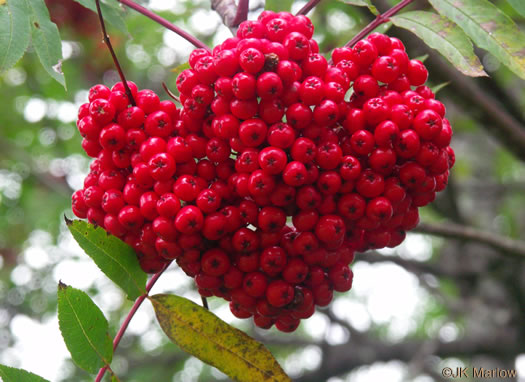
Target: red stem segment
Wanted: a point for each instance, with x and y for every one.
(380, 19)
(242, 12)
(130, 315)
(113, 55)
(165, 23)
(308, 7)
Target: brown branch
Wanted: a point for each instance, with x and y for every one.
(344, 358)
(231, 14)
(417, 267)
(450, 230)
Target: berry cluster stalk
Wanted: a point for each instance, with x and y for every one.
(165, 23)
(113, 55)
(242, 12)
(130, 315)
(308, 7)
(380, 19)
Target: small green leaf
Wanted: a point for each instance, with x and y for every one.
(84, 328)
(519, 6)
(46, 39)
(362, 3)
(10, 374)
(201, 333)
(14, 33)
(115, 258)
(437, 88)
(180, 68)
(489, 28)
(112, 14)
(422, 58)
(443, 35)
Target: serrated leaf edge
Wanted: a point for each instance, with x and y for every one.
(71, 225)
(154, 300)
(63, 287)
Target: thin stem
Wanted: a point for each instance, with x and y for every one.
(308, 7)
(380, 19)
(204, 302)
(165, 23)
(113, 55)
(130, 315)
(170, 93)
(242, 12)
(450, 230)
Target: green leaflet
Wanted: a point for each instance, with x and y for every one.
(362, 3)
(115, 258)
(11, 374)
(447, 38)
(46, 39)
(518, 5)
(489, 28)
(84, 328)
(14, 33)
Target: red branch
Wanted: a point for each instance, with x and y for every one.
(130, 315)
(242, 12)
(231, 14)
(308, 7)
(165, 23)
(113, 55)
(380, 19)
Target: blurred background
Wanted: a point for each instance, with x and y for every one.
(431, 303)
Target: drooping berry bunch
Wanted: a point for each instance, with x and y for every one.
(278, 167)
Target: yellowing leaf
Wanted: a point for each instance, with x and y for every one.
(201, 333)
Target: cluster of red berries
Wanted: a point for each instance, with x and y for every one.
(268, 135)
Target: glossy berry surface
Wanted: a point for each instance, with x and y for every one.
(271, 175)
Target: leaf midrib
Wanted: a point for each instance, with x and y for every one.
(83, 331)
(114, 259)
(436, 34)
(491, 36)
(219, 344)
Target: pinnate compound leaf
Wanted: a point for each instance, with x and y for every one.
(84, 328)
(201, 333)
(11, 374)
(46, 39)
(115, 258)
(362, 3)
(518, 5)
(489, 28)
(441, 34)
(15, 33)
(111, 14)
